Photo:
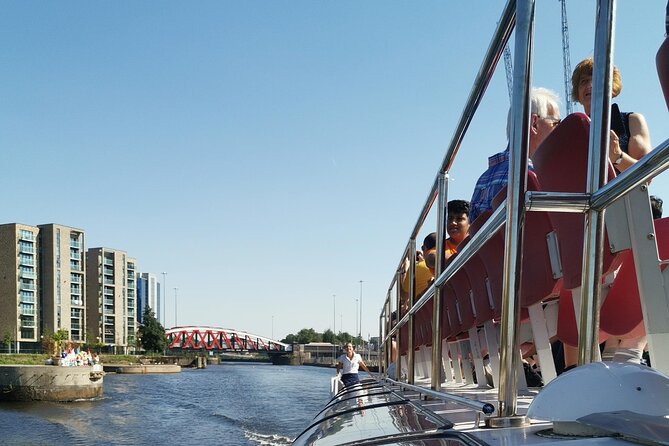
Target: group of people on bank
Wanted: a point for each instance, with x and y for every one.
(629, 142)
(74, 357)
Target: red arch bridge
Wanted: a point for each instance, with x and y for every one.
(222, 339)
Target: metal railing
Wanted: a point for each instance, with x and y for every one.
(599, 195)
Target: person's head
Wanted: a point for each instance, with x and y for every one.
(544, 116)
(656, 206)
(581, 83)
(348, 348)
(457, 223)
(429, 249)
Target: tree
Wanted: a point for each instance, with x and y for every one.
(329, 336)
(8, 339)
(151, 334)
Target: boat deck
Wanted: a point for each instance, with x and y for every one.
(385, 412)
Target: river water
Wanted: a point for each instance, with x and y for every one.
(228, 404)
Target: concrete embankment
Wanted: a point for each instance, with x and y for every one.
(49, 383)
(142, 368)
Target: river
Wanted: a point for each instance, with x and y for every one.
(228, 404)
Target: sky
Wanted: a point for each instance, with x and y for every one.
(269, 155)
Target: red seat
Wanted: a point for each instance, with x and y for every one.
(492, 255)
(662, 62)
(560, 163)
(621, 312)
(538, 282)
(477, 275)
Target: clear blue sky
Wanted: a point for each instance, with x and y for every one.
(267, 154)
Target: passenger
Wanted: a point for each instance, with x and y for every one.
(350, 362)
(457, 225)
(545, 109)
(629, 142)
(424, 270)
(656, 207)
(630, 139)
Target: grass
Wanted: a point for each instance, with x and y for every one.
(23, 359)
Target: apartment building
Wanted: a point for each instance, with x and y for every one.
(62, 280)
(19, 286)
(148, 294)
(111, 309)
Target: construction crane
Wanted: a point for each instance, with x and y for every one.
(509, 70)
(566, 62)
(565, 57)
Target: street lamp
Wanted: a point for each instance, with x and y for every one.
(175, 306)
(360, 328)
(164, 296)
(356, 317)
(334, 325)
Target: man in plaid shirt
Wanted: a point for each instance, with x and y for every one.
(545, 117)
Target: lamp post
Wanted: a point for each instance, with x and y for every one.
(175, 306)
(164, 296)
(334, 325)
(360, 327)
(356, 317)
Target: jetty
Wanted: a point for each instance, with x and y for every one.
(50, 383)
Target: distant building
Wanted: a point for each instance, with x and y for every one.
(62, 280)
(19, 285)
(148, 293)
(112, 299)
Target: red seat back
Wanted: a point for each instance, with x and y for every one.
(560, 163)
(621, 312)
(538, 282)
(476, 276)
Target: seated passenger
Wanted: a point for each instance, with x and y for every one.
(545, 117)
(457, 225)
(630, 139)
(656, 207)
(424, 269)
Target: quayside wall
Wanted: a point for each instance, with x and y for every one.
(49, 383)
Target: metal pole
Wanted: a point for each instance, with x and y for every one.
(164, 297)
(360, 328)
(515, 215)
(175, 306)
(411, 354)
(442, 198)
(334, 326)
(588, 346)
(356, 317)
(398, 334)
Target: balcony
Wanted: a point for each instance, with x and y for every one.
(27, 299)
(76, 302)
(27, 274)
(75, 244)
(75, 290)
(27, 311)
(108, 281)
(75, 255)
(26, 235)
(25, 248)
(27, 286)
(28, 323)
(108, 262)
(75, 326)
(75, 278)
(26, 260)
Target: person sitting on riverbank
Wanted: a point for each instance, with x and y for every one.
(349, 363)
